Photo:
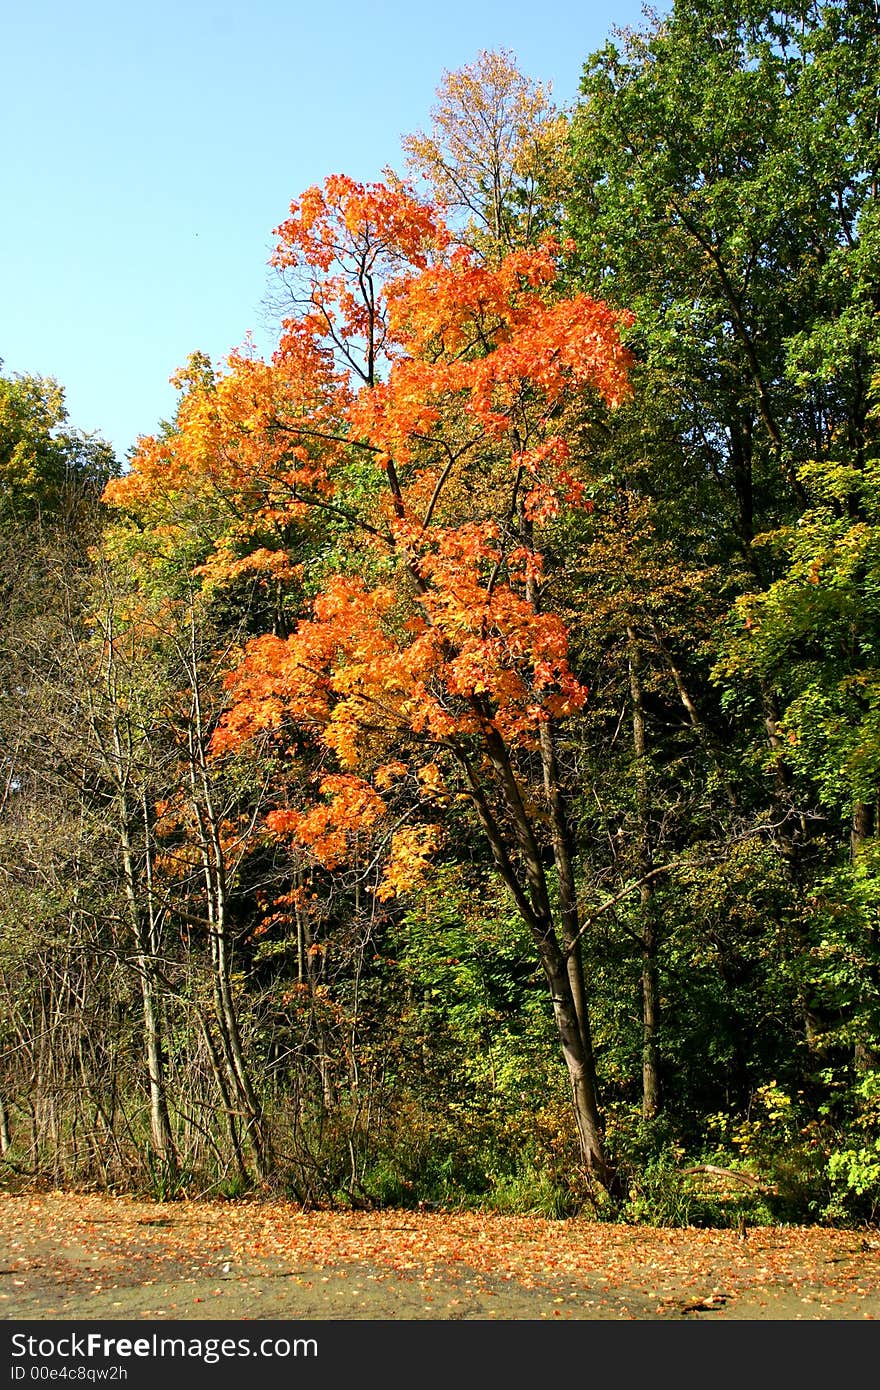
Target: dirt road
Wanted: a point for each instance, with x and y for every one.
(68, 1256)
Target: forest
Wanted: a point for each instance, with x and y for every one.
(440, 765)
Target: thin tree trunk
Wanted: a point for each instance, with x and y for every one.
(563, 859)
(786, 844)
(561, 839)
(229, 1109)
(651, 1101)
(862, 828)
(160, 1124)
(5, 1132)
(214, 870)
(865, 1055)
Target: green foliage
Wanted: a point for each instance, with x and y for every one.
(163, 1182)
(661, 1196)
(731, 139)
(854, 1168)
(815, 633)
(47, 469)
(534, 1192)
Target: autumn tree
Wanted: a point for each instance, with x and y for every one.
(427, 670)
(494, 158)
(492, 670)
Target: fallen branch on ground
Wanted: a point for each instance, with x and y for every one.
(749, 1178)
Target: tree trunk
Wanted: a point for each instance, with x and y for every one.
(5, 1133)
(862, 828)
(865, 1055)
(214, 869)
(651, 1101)
(580, 1066)
(160, 1123)
(533, 902)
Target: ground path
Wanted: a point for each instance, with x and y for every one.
(72, 1256)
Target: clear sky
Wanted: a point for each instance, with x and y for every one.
(150, 149)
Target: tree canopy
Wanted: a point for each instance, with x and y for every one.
(462, 725)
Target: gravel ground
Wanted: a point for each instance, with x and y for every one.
(73, 1256)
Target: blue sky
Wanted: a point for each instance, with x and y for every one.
(150, 150)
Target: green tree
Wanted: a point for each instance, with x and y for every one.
(47, 469)
(723, 179)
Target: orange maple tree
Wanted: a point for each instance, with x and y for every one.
(427, 669)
